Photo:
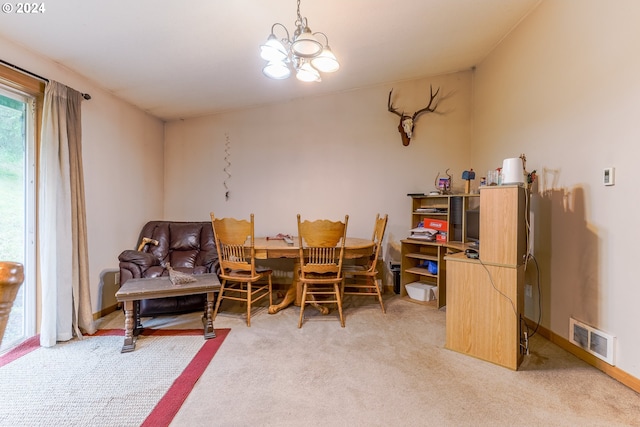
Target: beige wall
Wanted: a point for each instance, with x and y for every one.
(321, 157)
(123, 167)
(564, 89)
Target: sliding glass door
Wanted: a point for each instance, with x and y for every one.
(17, 206)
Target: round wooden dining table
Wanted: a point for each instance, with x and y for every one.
(270, 248)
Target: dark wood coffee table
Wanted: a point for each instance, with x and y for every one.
(134, 290)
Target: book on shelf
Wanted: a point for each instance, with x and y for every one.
(422, 233)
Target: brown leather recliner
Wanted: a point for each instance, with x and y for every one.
(188, 247)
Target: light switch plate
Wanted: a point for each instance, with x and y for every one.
(608, 177)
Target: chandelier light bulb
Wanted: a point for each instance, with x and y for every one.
(307, 73)
(326, 62)
(306, 45)
(273, 50)
(276, 70)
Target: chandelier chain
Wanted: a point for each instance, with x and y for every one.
(299, 15)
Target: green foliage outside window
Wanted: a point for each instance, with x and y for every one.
(12, 169)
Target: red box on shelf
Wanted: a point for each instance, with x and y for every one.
(441, 237)
(436, 224)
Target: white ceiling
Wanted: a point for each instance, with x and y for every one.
(179, 59)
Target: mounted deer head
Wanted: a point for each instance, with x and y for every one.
(408, 122)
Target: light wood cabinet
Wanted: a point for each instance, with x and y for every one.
(503, 238)
(416, 253)
(486, 296)
(484, 304)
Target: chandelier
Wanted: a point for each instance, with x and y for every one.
(303, 53)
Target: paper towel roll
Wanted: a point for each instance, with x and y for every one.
(512, 171)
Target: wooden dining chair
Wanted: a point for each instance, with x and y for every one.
(236, 252)
(321, 244)
(361, 280)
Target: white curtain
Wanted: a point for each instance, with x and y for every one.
(62, 231)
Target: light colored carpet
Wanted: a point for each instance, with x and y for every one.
(89, 382)
(386, 370)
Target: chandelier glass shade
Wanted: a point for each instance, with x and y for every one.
(303, 53)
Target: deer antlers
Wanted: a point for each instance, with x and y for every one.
(408, 122)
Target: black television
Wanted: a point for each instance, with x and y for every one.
(472, 221)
